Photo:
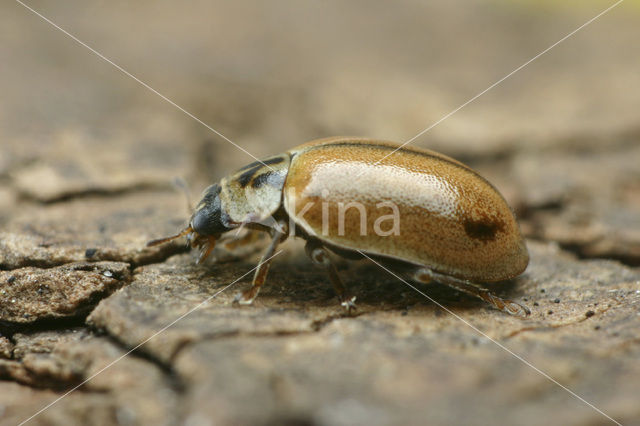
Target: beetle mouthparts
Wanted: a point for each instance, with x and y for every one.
(205, 244)
(158, 241)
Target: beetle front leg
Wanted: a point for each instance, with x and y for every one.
(246, 297)
(318, 255)
(425, 275)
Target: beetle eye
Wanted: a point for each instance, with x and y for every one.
(200, 222)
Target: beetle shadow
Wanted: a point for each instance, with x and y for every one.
(298, 284)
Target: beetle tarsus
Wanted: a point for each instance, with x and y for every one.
(246, 297)
(425, 275)
(318, 255)
(349, 304)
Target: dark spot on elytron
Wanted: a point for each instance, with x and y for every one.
(260, 180)
(483, 230)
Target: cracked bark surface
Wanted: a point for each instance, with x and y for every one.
(86, 163)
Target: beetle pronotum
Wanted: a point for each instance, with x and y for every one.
(454, 226)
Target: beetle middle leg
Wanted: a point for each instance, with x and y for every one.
(279, 234)
(318, 255)
(425, 275)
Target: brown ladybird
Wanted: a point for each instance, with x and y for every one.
(423, 212)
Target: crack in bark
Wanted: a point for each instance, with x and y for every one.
(315, 327)
(8, 328)
(15, 371)
(92, 192)
(79, 315)
(561, 325)
(98, 254)
(581, 251)
(174, 380)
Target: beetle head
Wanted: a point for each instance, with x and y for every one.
(207, 223)
(209, 218)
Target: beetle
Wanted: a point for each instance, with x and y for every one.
(452, 226)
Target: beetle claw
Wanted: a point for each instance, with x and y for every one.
(349, 304)
(516, 309)
(243, 298)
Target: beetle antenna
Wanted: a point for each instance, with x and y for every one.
(181, 184)
(158, 241)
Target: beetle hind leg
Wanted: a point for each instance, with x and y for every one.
(319, 255)
(425, 275)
